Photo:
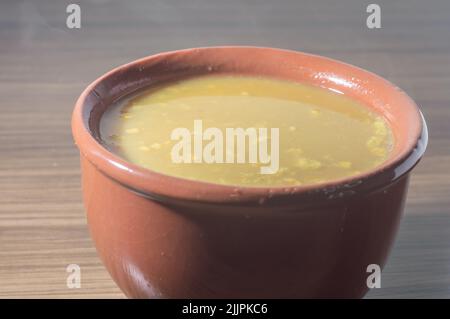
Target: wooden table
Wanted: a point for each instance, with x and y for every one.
(44, 66)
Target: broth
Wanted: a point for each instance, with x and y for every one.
(322, 135)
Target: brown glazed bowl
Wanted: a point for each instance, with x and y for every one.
(164, 237)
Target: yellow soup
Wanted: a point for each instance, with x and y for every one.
(248, 131)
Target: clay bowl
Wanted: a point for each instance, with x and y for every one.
(166, 237)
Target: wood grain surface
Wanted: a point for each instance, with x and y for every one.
(44, 66)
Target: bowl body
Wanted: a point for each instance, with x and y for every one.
(164, 237)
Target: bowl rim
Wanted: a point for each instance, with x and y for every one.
(167, 188)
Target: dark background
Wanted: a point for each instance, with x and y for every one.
(44, 66)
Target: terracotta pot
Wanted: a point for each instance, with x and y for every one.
(162, 236)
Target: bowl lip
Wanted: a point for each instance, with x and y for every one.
(167, 188)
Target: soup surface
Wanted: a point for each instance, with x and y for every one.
(322, 135)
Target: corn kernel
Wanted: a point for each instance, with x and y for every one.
(306, 163)
(344, 164)
(132, 130)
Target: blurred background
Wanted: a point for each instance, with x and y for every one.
(44, 66)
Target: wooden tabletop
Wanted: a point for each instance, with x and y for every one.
(44, 66)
